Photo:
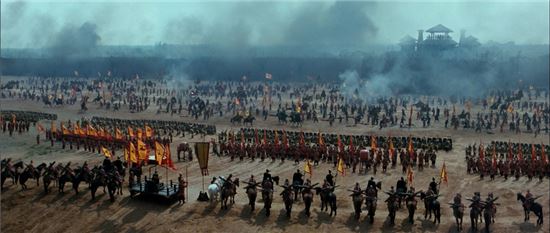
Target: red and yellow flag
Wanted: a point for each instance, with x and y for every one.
(139, 133)
(149, 131)
(159, 152)
(410, 175)
(106, 152)
(340, 144)
(118, 134)
(443, 175)
(133, 153)
(131, 132)
(308, 168)
(64, 129)
(373, 142)
(341, 167)
(391, 148)
(13, 118)
(276, 139)
(142, 150)
(321, 140)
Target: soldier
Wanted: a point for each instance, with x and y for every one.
(433, 186)
(457, 200)
(267, 176)
(401, 185)
(357, 188)
(181, 189)
(371, 183)
(330, 178)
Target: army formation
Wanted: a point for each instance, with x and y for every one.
(329, 148)
(520, 112)
(501, 110)
(507, 159)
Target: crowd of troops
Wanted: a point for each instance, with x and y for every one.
(329, 148)
(20, 121)
(166, 128)
(519, 110)
(507, 159)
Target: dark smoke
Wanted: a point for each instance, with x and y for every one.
(343, 24)
(74, 41)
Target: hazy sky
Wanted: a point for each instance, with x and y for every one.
(244, 23)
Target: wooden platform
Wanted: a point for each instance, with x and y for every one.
(147, 188)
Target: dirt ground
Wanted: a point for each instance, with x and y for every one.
(32, 211)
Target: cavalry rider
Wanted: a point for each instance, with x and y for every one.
(213, 180)
(30, 167)
(476, 200)
(330, 178)
(228, 181)
(433, 186)
(251, 181)
(287, 183)
(267, 176)
(401, 186)
(457, 200)
(297, 178)
(357, 188)
(529, 199)
(371, 184)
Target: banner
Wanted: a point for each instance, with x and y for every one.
(201, 149)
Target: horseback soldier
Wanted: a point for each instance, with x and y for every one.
(267, 176)
(433, 186)
(330, 178)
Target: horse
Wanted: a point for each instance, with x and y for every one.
(47, 179)
(328, 198)
(431, 205)
(307, 196)
(474, 215)
(12, 172)
(25, 175)
(288, 199)
(215, 188)
(411, 207)
(357, 199)
(30, 173)
(249, 120)
(252, 194)
(112, 188)
(281, 116)
(458, 213)
(228, 192)
(236, 119)
(534, 207)
(392, 208)
(488, 216)
(371, 201)
(64, 178)
(99, 180)
(267, 196)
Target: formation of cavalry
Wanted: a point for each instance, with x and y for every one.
(110, 176)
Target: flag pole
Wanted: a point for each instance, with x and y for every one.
(187, 180)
